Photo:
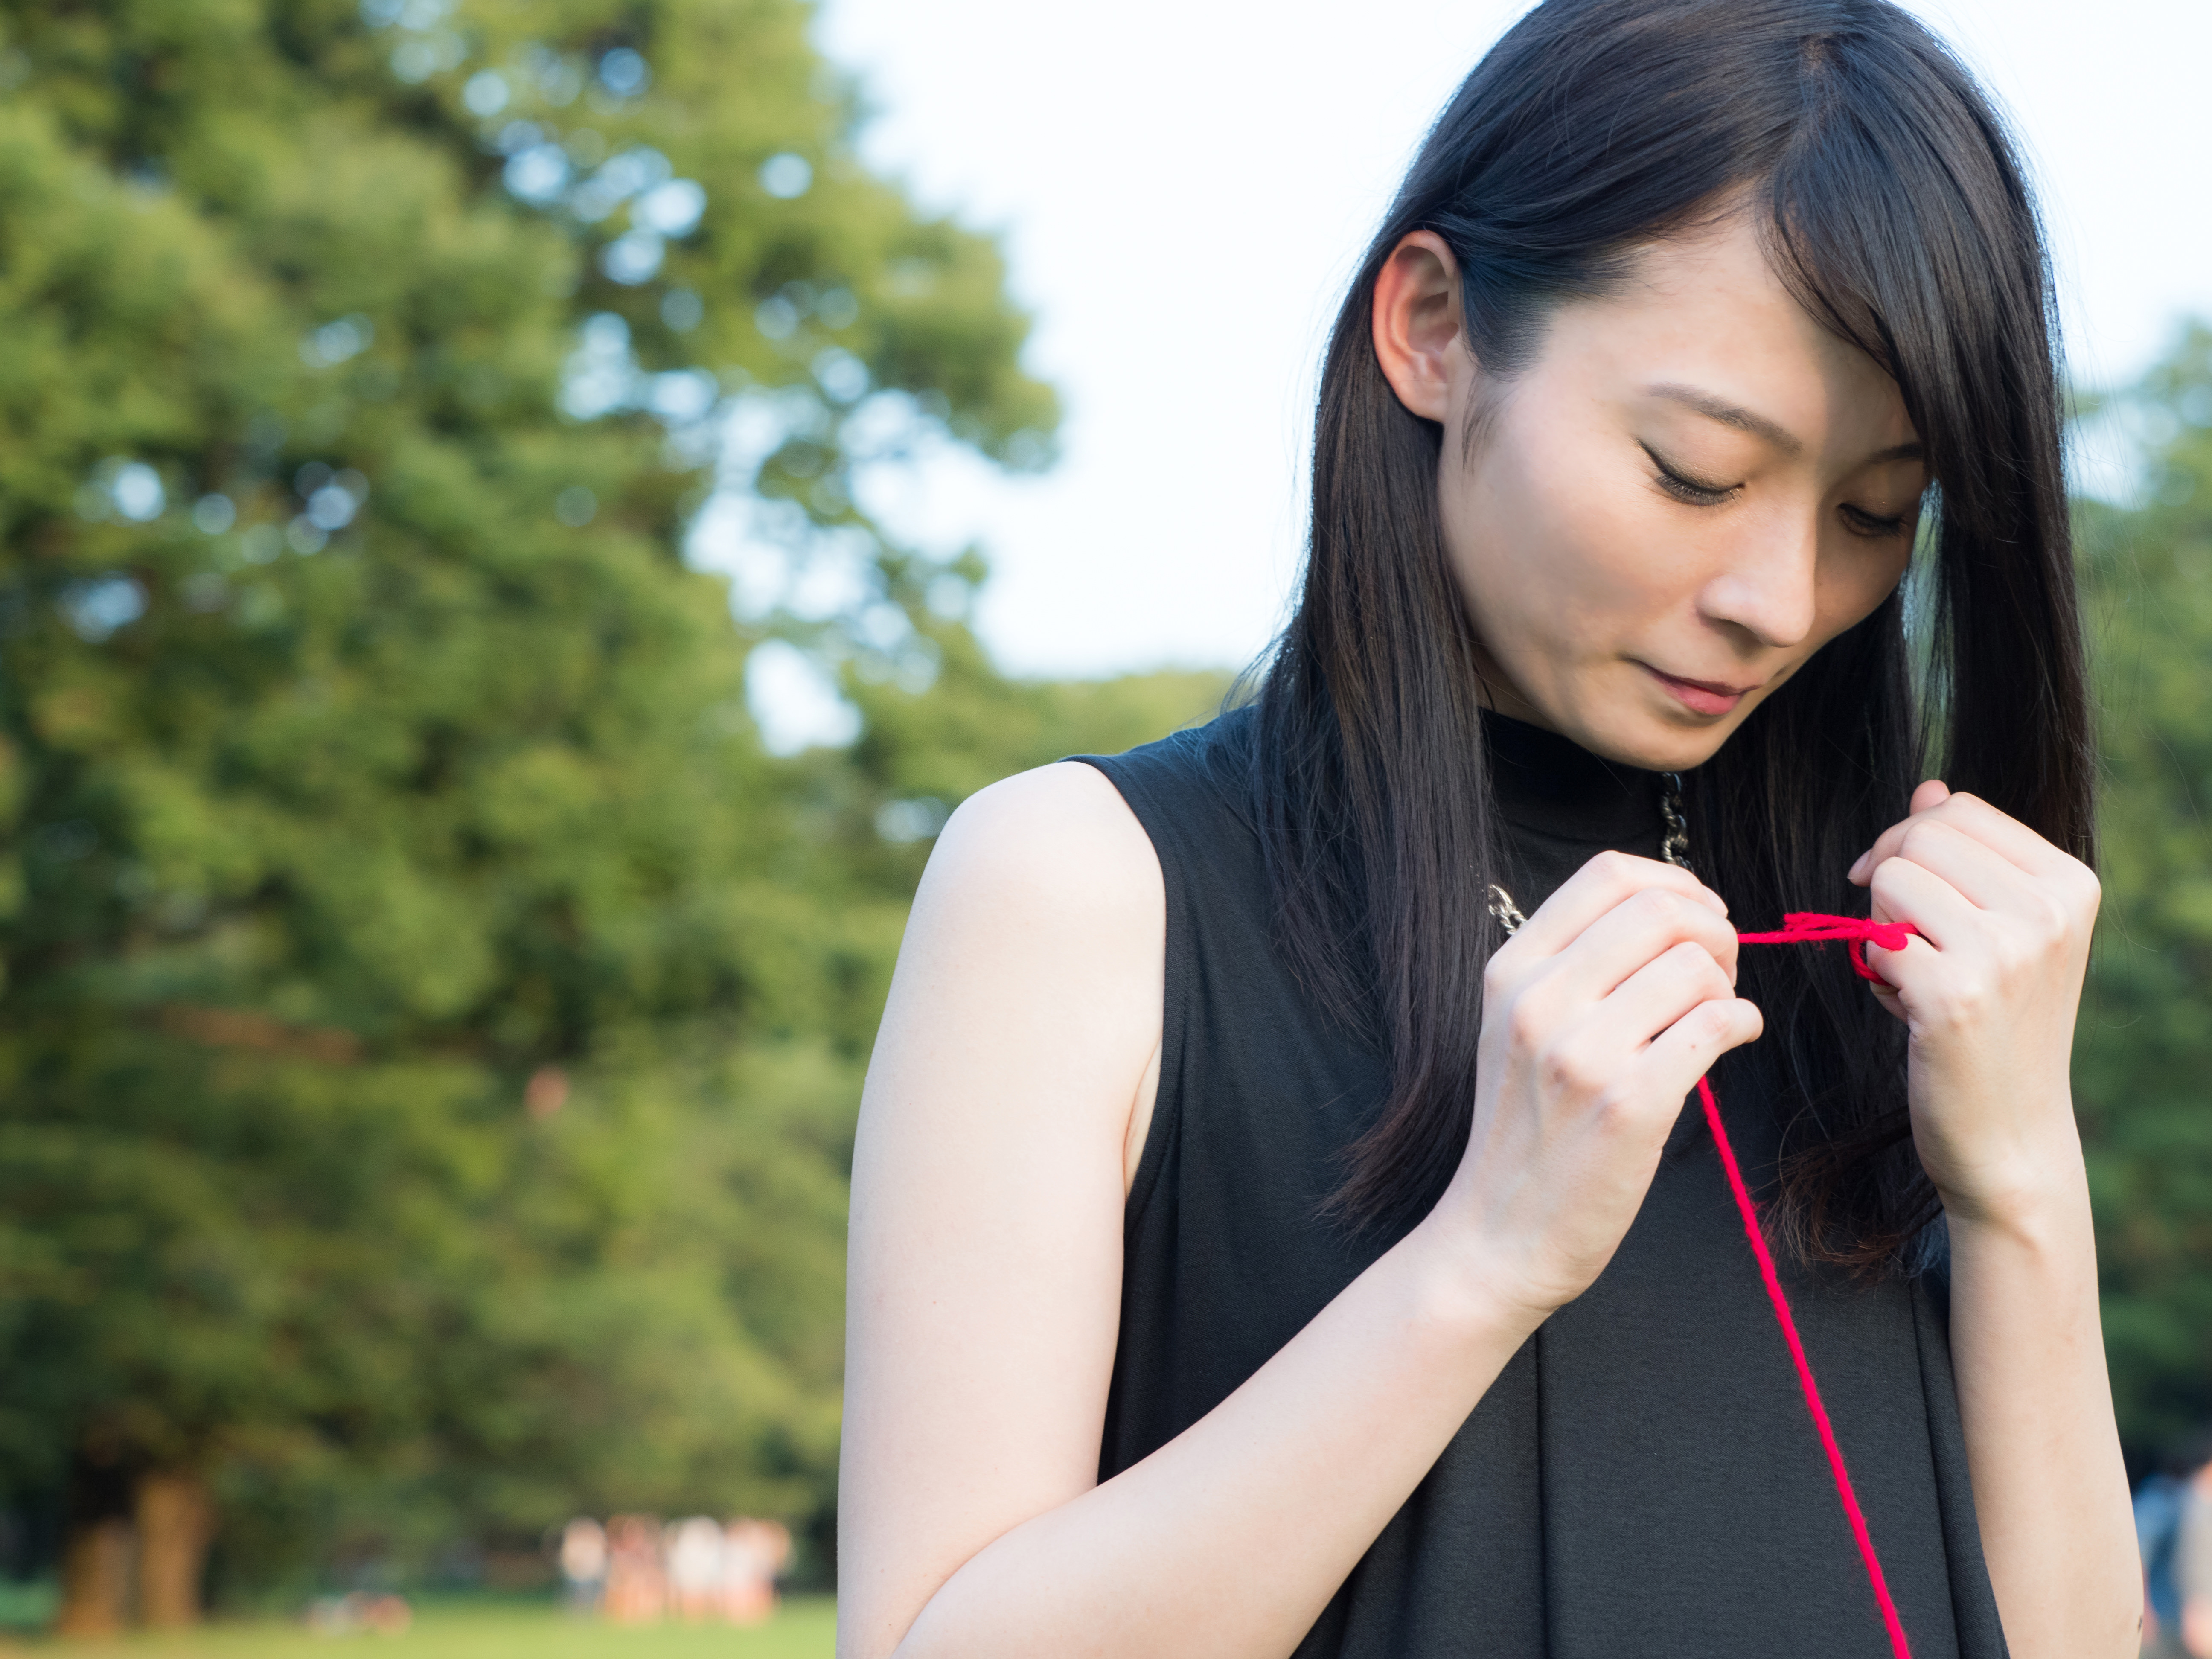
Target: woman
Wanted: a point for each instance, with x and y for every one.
(1263, 1242)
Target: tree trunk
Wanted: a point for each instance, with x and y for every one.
(96, 1573)
(176, 1519)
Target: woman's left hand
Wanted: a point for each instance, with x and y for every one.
(1989, 990)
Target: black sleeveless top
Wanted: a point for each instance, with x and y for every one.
(1642, 1480)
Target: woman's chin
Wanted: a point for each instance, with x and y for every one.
(1624, 713)
(1653, 739)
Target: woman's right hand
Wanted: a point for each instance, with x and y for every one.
(1599, 1016)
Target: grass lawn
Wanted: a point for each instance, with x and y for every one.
(806, 1629)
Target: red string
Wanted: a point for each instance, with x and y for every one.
(1809, 927)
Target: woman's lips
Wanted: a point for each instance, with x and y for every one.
(1701, 696)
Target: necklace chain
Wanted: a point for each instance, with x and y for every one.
(1673, 846)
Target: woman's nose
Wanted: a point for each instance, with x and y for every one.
(1768, 587)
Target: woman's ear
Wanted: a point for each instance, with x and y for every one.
(1418, 331)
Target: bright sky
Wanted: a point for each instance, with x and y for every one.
(1184, 184)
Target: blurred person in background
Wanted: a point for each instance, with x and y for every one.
(2192, 1561)
(2160, 1503)
(1277, 1226)
(753, 1553)
(694, 1569)
(583, 1560)
(637, 1586)
(2173, 1531)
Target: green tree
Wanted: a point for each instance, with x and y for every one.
(2145, 1049)
(432, 1022)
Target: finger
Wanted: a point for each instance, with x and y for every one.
(1638, 931)
(1653, 998)
(1557, 993)
(1931, 794)
(1607, 1047)
(1685, 1050)
(1597, 888)
(1982, 875)
(1905, 891)
(1926, 799)
(2006, 835)
(1886, 995)
(1603, 1050)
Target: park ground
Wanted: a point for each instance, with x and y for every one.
(805, 1629)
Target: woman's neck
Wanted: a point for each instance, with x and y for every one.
(1549, 783)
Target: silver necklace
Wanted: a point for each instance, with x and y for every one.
(1673, 846)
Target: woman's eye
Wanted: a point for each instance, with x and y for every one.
(1873, 525)
(1684, 488)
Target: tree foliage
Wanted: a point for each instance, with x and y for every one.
(432, 1022)
(2145, 1050)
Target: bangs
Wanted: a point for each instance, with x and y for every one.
(1896, 215)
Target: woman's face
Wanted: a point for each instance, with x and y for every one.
(1692, 489)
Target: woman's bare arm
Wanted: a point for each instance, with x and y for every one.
(1989, 992)
(986, 1254)
(2049, 1486)
(985, 1270)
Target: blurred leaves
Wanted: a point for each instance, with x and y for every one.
(2144, 1060)
(373, 762)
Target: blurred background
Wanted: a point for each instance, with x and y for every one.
(522, 517)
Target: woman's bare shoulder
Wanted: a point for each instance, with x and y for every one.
(1057, 841)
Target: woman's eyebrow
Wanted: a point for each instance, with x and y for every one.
(1914, 451)
(1728, 414)
(1743, 420)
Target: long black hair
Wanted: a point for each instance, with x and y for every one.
(1893, 207)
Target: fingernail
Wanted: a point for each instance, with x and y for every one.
(1858, 868)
